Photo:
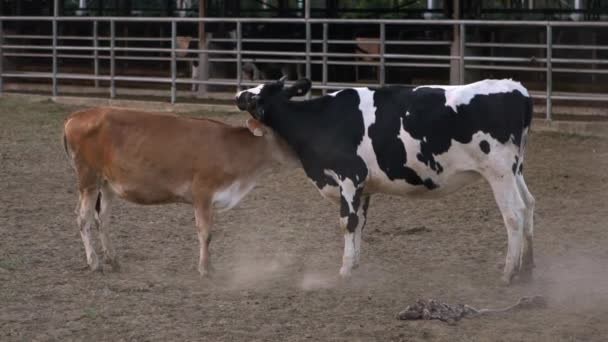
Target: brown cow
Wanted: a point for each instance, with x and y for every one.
(154, 158)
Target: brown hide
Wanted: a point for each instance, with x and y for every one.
(152, 158)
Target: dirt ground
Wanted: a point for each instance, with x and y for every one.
(278, 252)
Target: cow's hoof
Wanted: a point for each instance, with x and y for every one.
(95, 266)
(115, 264)
(346, 272)
(206, 273)
(507, 279)
(525, 275)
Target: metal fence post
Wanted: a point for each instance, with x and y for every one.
(96, 53)
(382, 51)
(462, 36)
(1, 55)
(308, 43)
(324, 71)
(54, 72)
(239, 55)
(112, 59)
(173, 60)
(549, 70)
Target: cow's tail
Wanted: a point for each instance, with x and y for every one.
(529, 111)
(66, 146)
(527, 122)
(69, 156)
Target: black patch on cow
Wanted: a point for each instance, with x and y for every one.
(324, 132)
(503, 116)
(366, 200)
(353, 218)
(521, 168)
(430, 161)
(429, 184)
(98, 203)
(484, 146)
(389, 149)
(514, 167)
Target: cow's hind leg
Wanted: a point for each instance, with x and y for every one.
(512, 208)
(103, 215)
(352, 220)
(85, 220)
(203, 214)
(527, 257)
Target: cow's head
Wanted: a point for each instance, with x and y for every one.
(258, 99)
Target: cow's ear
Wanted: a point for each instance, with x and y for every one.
(255, 127)
(299, 88)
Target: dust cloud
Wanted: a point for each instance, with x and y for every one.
(574, 281)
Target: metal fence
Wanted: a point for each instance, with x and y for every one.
(458, 54)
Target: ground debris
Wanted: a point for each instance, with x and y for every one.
(452, 313)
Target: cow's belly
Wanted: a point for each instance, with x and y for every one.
(150, 193)
(149, 187)
(446, 184)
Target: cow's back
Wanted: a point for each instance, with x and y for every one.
(442, 136)
(424, 139)
(150, 157)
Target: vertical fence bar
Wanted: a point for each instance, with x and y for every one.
(308, 42)
(96, 53)
(549, 70)
(382, 52)
(462, 36)
(54, 72)
(173, 61)
(112, 59)
(324, 79)
(308, 50)
(1, 55)
(239, 55)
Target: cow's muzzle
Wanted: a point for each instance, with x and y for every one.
(245, 101)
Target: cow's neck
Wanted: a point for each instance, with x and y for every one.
(288, 120)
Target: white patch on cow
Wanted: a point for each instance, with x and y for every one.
(348, 259)
(254, 90)
(463, 94)
(348, 192)
(407, 113)
(334, 94)
(330, 192)
(378, 180)
(365, 150)
(231, 195)
(463, 164)
(412, 148)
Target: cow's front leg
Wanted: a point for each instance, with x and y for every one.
(352, 220)
(362, 214)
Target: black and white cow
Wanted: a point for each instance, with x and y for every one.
(421, 143)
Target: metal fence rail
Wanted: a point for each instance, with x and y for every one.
(313, 51)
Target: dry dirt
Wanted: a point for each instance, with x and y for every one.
(278, 252)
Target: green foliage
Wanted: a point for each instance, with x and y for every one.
(12, 263)
(90, 313)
